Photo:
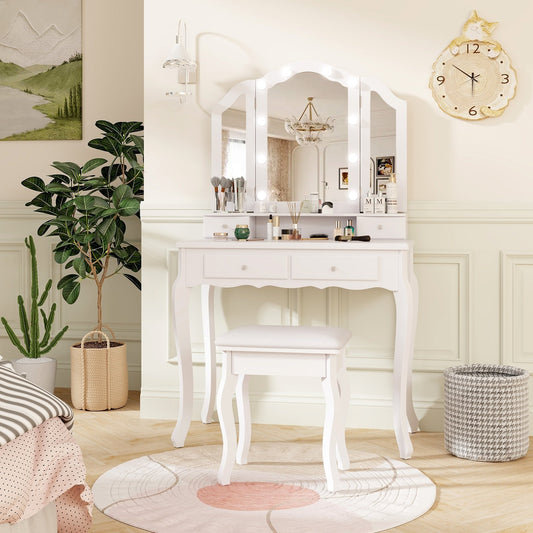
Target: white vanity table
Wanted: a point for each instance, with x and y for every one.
(373, 121)
(291, 264)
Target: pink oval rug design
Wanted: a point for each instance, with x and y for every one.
(281, 490)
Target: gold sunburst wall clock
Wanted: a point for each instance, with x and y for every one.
(472, 78)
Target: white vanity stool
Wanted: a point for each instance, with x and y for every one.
(283, 351)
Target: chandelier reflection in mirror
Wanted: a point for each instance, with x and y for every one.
(179, 59)
(308, 129)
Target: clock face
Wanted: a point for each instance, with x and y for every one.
(475, 82)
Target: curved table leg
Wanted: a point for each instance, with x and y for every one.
(182, 334)
(227, 421)
(330, 436)
(411, 414)
(402, 356)
(245, 419)
(208, 300)
(343, 458)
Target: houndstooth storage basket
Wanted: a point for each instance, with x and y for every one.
(486, 416)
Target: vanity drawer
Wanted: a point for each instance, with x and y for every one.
(245, 266)
(383, 227)
(336, 266)
(217, 224)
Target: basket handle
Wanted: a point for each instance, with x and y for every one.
(108, 373)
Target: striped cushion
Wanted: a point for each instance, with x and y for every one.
(24, 405)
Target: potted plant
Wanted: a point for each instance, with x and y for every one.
(88, 206)
(39, 370)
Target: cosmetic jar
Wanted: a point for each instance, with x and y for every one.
(242, 231)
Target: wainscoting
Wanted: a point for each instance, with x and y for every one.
(121, 304)
(474, 266)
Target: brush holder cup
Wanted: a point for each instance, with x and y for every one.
(242, 232)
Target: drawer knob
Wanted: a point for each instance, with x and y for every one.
(244, 267)
(333, 268)
(224, 226)
(380, 226)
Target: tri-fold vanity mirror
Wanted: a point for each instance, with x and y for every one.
(351, 143)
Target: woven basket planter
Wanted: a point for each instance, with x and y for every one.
(486, 414)
(99, 376)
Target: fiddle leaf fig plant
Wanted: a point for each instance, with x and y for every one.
(88, 207)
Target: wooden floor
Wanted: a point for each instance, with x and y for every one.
(472, 497)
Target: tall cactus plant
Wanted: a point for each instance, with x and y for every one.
(34, 347)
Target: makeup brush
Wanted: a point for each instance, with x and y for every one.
(215, 181)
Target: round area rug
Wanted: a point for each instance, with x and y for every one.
(282, 490)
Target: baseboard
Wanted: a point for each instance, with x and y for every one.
(298, 411)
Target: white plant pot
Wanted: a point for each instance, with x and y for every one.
(41, 371)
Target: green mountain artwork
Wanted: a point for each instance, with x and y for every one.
(40, 76)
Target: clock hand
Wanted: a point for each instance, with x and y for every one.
(465, 73)
(471, 76)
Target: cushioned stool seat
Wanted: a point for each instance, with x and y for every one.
(283, 351)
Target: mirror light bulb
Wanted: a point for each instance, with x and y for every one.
(261, 84)
(286, 71)
(261, 159)
(352, 195)
(352, 119)
(261, 120)
(352, 158)
(327, 71)
(261, 195)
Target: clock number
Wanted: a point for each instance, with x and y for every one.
(505, 79)
(441, 79)
(472, 112)
(476, 48)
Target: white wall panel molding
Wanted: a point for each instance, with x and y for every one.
(445, 306)
(444, 322)
(469, 213)
(517, 309)
(15, 210)
(162, 213)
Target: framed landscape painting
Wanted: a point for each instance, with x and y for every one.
(40, 70)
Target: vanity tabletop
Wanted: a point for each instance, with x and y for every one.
(330, 245)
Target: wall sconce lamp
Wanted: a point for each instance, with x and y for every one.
(179, 59)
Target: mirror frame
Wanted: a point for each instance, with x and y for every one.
(359, 123)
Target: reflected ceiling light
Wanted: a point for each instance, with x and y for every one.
(179, 59)
(308, 129)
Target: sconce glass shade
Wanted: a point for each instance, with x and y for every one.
(308, 129)
(179, 59)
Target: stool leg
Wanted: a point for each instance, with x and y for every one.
(330, 435)
(245, 419)
(343, 459)
(227, 421)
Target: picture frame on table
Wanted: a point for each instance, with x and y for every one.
(343, 178)
(381, 186)
(384, 166)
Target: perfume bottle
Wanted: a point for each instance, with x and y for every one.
(338, 229)
(270, 228)
(392, 195)
(349, 230)
(379, 204)
(368, 202)
(276, 229)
